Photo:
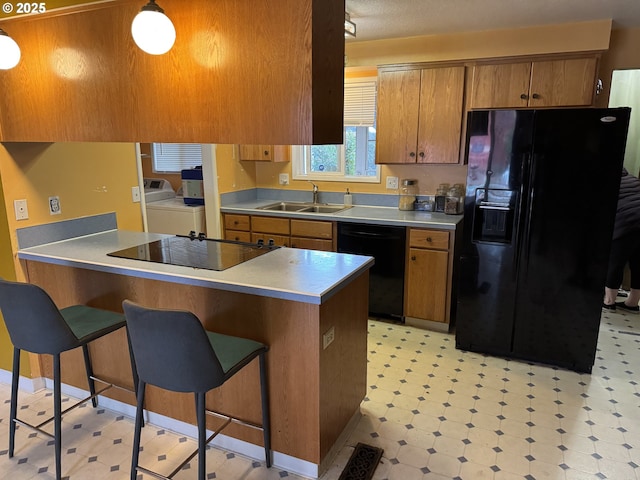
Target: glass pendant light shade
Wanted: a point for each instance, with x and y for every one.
(152, 30)
(9, 51)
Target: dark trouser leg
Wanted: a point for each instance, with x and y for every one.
(14, 400)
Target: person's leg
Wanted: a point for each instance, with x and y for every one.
(634, 266)
(617, 262)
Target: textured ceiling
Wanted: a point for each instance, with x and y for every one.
(376, 19)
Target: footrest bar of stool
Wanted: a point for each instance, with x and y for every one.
(33, 427)
(114, 385)
(239, 421)
(75, 405)
(206, 442)
(151, 473)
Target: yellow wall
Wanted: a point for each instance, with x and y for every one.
(234, 175)
(89, 178)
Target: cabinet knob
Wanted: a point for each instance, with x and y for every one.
(524, 96)
(429, 239)
(421, 154)
(266, 152)
(535, 95)
(413, 257)
(235, 222)
(412, 154)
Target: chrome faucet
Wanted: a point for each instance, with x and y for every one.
(315, 192)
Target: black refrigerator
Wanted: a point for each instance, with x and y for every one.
(540, 204)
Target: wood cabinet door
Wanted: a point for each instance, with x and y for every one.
(256, 152)
(426, 287)
(397, 120)
(503, 85)
(563, 82)
(440, 116)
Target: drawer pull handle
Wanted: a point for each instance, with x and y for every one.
(413, 257)
(429, 239)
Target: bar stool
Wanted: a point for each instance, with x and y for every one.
(174, 352)
(36, 325)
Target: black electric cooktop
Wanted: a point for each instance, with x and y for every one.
(195, 251)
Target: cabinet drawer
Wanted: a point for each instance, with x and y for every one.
(237, 222)
(312, 229)
(312, 244)
(237, 235)
(279, 240)
(436, 239)
(270, 225)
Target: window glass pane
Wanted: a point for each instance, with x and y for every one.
(325, 158)
(350, 147)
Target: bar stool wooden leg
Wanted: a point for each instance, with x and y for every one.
(57, 415)
(14, 400)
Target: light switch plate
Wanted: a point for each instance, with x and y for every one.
(135, 194)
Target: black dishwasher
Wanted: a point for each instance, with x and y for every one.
(386, 278)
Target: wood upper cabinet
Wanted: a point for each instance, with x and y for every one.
(265, 153)
(278, 80)
(419, 115)
(543, 83)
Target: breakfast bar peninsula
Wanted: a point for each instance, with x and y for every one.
(309, 307)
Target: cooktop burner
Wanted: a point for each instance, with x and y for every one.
(196, 252)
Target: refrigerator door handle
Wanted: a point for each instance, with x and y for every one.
(519, 237)
(527, 232)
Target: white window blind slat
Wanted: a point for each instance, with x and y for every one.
(360, 104)
(174, 157)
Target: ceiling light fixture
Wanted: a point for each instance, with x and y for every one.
(9, 51)
(349, 26)
(152, 30)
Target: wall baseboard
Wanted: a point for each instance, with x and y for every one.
(280, 460)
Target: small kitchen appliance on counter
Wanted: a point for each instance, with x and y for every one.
(195, 251)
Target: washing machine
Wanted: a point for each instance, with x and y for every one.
(167, 213)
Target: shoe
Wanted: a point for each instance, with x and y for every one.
(608, 308)
(622, 293)
(627, 308)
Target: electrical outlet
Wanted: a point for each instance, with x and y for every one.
(392, 183)
(283, 179)
(328, 337)
(135, 194)
(20, 206)
(54, 205)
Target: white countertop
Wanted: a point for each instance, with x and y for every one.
(356, 214)
(287, 273)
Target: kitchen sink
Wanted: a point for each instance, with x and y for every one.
(302, 207)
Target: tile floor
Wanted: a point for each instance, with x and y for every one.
(439, 413)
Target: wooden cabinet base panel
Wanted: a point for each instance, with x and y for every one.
(427, 324)
(314, 392)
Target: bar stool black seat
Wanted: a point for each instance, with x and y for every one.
(36, 325)
(174, 352)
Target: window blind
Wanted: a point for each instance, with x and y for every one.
(174, 157)
(360, 104)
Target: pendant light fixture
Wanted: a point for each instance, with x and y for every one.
(9, 51)
(152, 30)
